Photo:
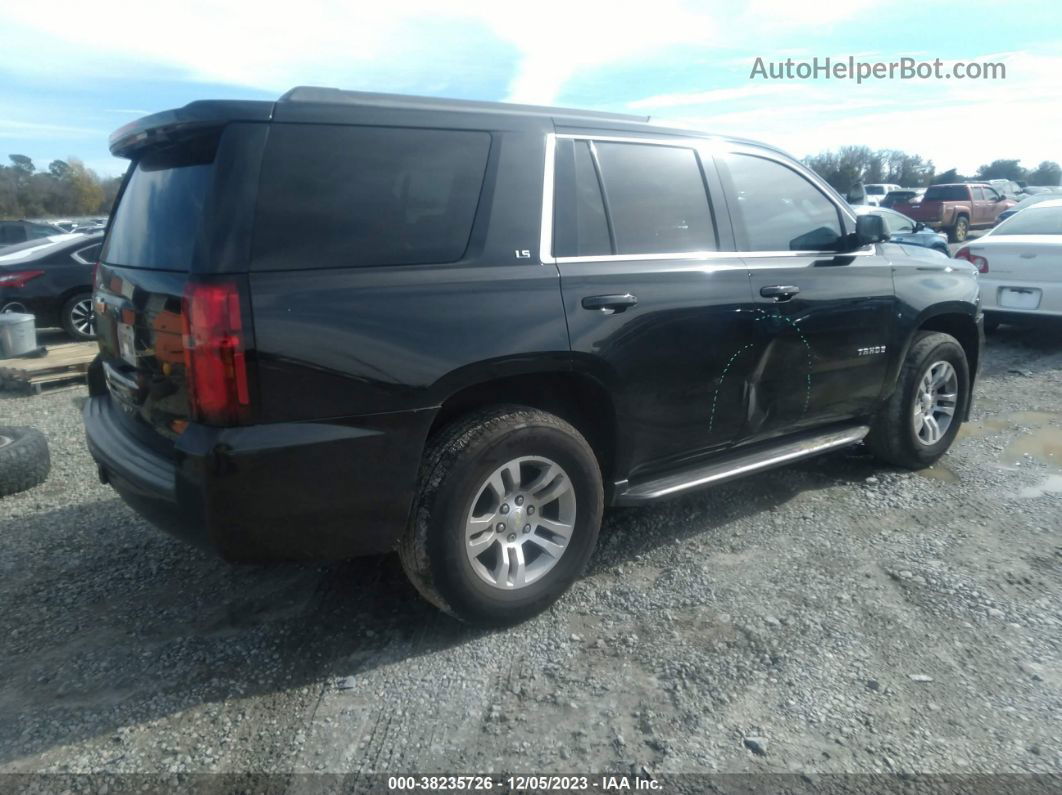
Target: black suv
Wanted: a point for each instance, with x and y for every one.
(348, 323)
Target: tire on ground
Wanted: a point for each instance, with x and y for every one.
(24, 459)
(456, 463)
(892, 436)
(959, 232)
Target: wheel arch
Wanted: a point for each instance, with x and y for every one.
(573, 396)
(956, 322)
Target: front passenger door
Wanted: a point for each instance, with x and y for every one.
(823, 320)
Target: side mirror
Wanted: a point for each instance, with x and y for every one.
(869, 229)
(919, 226)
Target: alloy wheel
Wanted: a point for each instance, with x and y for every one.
(520, 522)
(82, 319)
(935, 402)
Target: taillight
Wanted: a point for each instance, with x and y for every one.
(18, 278)
(215, 365)
(980, 262)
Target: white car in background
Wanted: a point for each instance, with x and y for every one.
(876, 191)
(1021, 264)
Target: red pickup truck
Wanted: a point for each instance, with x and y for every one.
(957, 208)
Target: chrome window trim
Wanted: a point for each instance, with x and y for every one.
(545, 243)
(700, 146)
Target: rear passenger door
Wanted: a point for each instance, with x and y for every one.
(655, 297)
(823, 321)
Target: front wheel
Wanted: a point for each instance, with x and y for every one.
(507, 515)
(920, 421)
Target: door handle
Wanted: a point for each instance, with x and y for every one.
(609, 304)
(779, 292)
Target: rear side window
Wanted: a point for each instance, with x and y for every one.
(158, 219)
(777, 209)
(580, 225)
(656, 199)
(340, 196)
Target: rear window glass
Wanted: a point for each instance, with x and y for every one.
(341, 196)
(656, 199)
(946, 193)
(158, 219)
(1034, 221)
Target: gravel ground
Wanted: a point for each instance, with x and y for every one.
(832, 616)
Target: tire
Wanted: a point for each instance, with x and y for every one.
(73, 319)
(991, 323)
(454, 493)
(24, 459)
(957, 233)
(894, 433)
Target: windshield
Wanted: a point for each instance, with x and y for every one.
(875, 190)
(1034, 221)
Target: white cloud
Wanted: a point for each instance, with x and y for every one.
(956, 123)
(10, 128)
(714, 95)
(273, 46)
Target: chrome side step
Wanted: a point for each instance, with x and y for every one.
(739, 464)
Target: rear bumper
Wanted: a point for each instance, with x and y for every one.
(323, 491)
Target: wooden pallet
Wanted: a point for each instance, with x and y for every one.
(64, 365)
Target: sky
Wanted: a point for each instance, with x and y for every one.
(71, 73)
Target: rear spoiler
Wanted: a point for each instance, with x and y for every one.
(172, 125)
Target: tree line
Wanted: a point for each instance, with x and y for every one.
(66, 188)
(849, 165)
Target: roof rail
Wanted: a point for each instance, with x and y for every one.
(404, 101)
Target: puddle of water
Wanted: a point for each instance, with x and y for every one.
(939, 472)
(1052, 484)
(1035, 419)
(1044, 445)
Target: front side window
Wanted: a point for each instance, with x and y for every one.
(898, 224)
(776, 209)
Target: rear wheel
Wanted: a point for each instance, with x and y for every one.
(921, 419)
(507, 516)
(960, 230)
(77, 317)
